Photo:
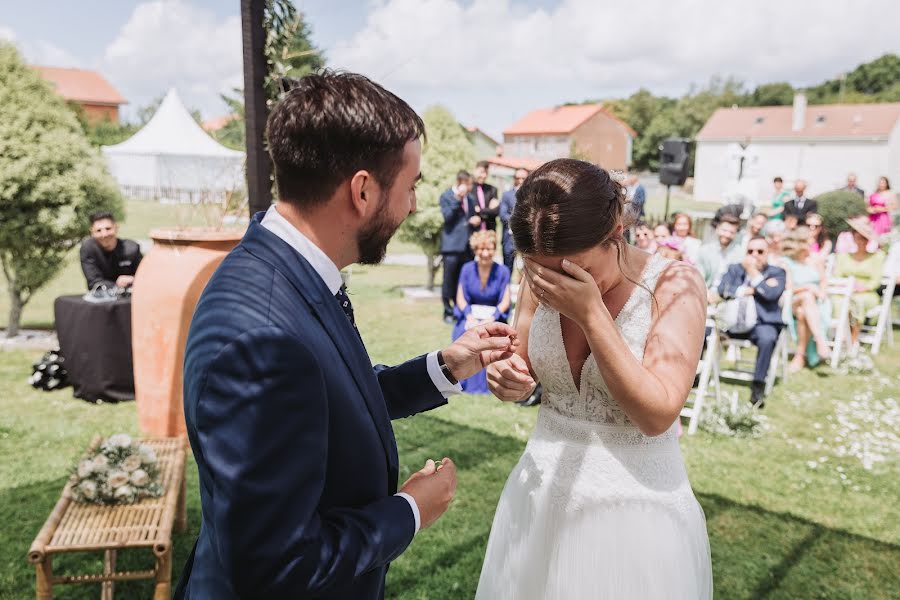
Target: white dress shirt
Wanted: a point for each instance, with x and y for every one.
(328, 271)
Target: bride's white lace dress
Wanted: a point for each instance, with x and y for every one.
(594, 508)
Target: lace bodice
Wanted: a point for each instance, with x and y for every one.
(590, 400)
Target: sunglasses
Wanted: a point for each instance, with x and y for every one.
(751, 251)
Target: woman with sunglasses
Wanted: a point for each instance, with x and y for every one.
(819, 244)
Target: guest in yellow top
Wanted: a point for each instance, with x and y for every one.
(866, 268)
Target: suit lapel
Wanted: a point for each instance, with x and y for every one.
(269, 247)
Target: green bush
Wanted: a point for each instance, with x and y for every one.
(838, 206)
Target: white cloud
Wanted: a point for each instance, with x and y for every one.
(170, 43)
(39, 52)
(493, 60)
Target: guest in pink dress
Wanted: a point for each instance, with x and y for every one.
(882, 203)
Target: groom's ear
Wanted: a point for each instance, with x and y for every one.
(363, 194)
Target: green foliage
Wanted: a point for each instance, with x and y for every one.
(875, 81)
(103, 132)
(772, 94)
(838, 206)
(233, 134)
(50, 180)
(446, 151)
(289, 48)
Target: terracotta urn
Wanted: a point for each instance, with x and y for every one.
(167, 286)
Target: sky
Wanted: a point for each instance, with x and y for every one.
(489, 61)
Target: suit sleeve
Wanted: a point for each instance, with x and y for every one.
(768, 292)
(91, 269)
(408, 388)
(450, 209)
(505, 209)
(728, 286)
(487, 211)
(262, 425)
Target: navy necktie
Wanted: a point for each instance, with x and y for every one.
(346, 305)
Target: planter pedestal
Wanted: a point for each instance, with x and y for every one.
(166, 289)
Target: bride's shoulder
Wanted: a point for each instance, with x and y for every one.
(679, 278)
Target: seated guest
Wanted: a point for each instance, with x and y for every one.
(482, 297)
(808, 311)
(866, 268)
(643, 237)
(671, 248)
(661, 233)
(714, 257)
(819, 244)
(682, 227)
(755, 226)
(775, 231)
(105, 259)
(754, 276)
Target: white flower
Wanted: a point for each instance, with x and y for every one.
(120, 440)
(85, 468)
(131, 463)
(124, 492)
(88, 489)
(117, 479)
(140, 478)
(148, 456)
(100, 463)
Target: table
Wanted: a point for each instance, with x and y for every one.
(95, 340)
(76, 527)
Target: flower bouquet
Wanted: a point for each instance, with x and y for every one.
(121, 471)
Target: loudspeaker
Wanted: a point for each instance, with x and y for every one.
(673, 161)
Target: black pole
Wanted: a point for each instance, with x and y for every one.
(259, 168)
(666, 214)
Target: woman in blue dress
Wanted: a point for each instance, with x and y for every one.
(481, 297)
(807, 315)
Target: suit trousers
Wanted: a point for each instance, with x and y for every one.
(452, 263)
(764, 336)
(509, 259)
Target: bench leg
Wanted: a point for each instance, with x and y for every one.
(181, 507)
(163, 576)
(44, 575)
(109, 567)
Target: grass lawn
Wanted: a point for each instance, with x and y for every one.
(792, 514)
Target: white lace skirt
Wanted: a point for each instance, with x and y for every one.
(597, 511)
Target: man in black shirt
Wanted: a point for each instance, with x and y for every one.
(105, 259)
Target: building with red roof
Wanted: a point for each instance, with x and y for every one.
(585, 130)
(88, 89)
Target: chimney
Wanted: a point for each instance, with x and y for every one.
(799, 117)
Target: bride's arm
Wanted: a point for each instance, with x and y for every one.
(653, 393)
(513, 379)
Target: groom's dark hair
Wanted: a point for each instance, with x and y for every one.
(331, 125)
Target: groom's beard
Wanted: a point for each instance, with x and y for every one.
(373, 239)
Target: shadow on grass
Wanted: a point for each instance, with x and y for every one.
(757, 553)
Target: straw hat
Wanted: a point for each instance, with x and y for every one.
(861, 226)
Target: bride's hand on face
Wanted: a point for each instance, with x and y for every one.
(571, 292)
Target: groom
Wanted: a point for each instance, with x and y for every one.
(288, 421)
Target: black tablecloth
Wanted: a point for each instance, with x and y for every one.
(95, 340)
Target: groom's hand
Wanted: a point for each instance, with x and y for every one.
(478, 347)
(432, 488)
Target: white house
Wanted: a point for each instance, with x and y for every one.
(740, 150)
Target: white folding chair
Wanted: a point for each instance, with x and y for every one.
(708, 370)
(742, 370)
(841, 292)
(829, 264)
(874, 334)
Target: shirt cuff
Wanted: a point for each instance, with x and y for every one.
(442, 384)
(414, 507)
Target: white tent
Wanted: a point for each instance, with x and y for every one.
(172, 158)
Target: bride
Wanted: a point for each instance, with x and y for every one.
(599, 505)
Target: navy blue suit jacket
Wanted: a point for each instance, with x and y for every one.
(766, 295)
(456, 231)
(507, 204)
(290, 427)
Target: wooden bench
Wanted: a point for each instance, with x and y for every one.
(77, 527)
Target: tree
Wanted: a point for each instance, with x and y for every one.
(838, 206)
(233, 134)
(446, 151)
(51, 179)
(773, 94)
(290, 52)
